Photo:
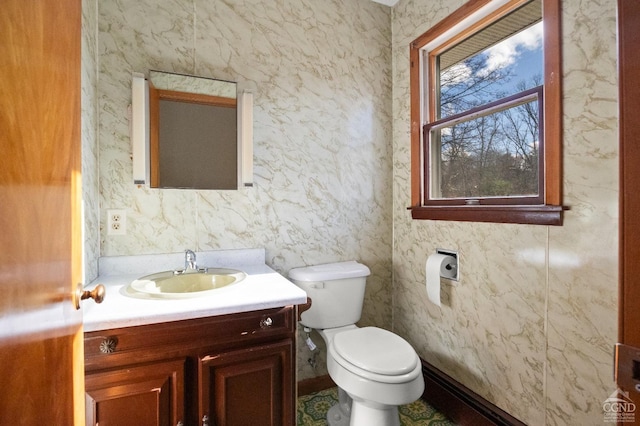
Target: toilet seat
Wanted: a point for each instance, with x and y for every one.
(376, 354)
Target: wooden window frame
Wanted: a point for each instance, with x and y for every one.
(550, 210)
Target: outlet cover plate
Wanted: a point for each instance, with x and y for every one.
(116, 222)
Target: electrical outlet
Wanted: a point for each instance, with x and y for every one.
(116, 222)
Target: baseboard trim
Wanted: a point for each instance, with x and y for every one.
(459, 403)
(315, 384)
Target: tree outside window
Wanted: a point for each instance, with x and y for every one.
(481, 99)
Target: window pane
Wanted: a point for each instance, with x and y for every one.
(495, 155)
(502, 59)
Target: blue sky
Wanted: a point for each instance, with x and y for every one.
(520, 54)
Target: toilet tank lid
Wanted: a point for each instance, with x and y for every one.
(330, 271)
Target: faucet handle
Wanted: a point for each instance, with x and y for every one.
(190, 260)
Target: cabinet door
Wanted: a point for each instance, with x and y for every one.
(253, 387)
(149, 395)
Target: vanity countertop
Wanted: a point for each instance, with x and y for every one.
(263, 288)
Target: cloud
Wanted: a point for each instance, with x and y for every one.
(508, 51)
(456, 74)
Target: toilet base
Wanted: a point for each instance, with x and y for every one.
(363, 416)
(335, 417)
(349, 412)
(368, 415)
(340, 414)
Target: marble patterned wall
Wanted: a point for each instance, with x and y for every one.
(320, 72)
(90, 176)
(532, 322)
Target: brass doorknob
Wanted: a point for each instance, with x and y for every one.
(97, 294)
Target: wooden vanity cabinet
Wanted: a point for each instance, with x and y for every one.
(231, 382)
(227, 370)
(151, 394)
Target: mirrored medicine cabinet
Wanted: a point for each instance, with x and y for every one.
(198, 133)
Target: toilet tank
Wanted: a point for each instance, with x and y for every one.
(336, 291)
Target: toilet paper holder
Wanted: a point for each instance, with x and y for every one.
(452, 269)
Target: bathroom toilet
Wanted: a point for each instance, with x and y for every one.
(375, 369)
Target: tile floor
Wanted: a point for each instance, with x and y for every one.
(312, 411)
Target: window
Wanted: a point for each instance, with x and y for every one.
(485, 100)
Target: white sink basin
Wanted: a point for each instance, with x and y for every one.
(172, 285)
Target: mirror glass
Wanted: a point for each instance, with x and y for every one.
(193, 132)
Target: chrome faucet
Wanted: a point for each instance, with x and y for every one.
(190, 261)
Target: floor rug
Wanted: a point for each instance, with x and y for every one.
(312, 411)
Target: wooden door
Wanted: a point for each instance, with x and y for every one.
(41, 366)
(146, 395)
(628, 349)
(247, 387)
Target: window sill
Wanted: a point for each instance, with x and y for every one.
(523, 214)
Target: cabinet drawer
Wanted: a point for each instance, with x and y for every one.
(104, 349)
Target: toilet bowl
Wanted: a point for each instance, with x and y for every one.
(375, 369)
